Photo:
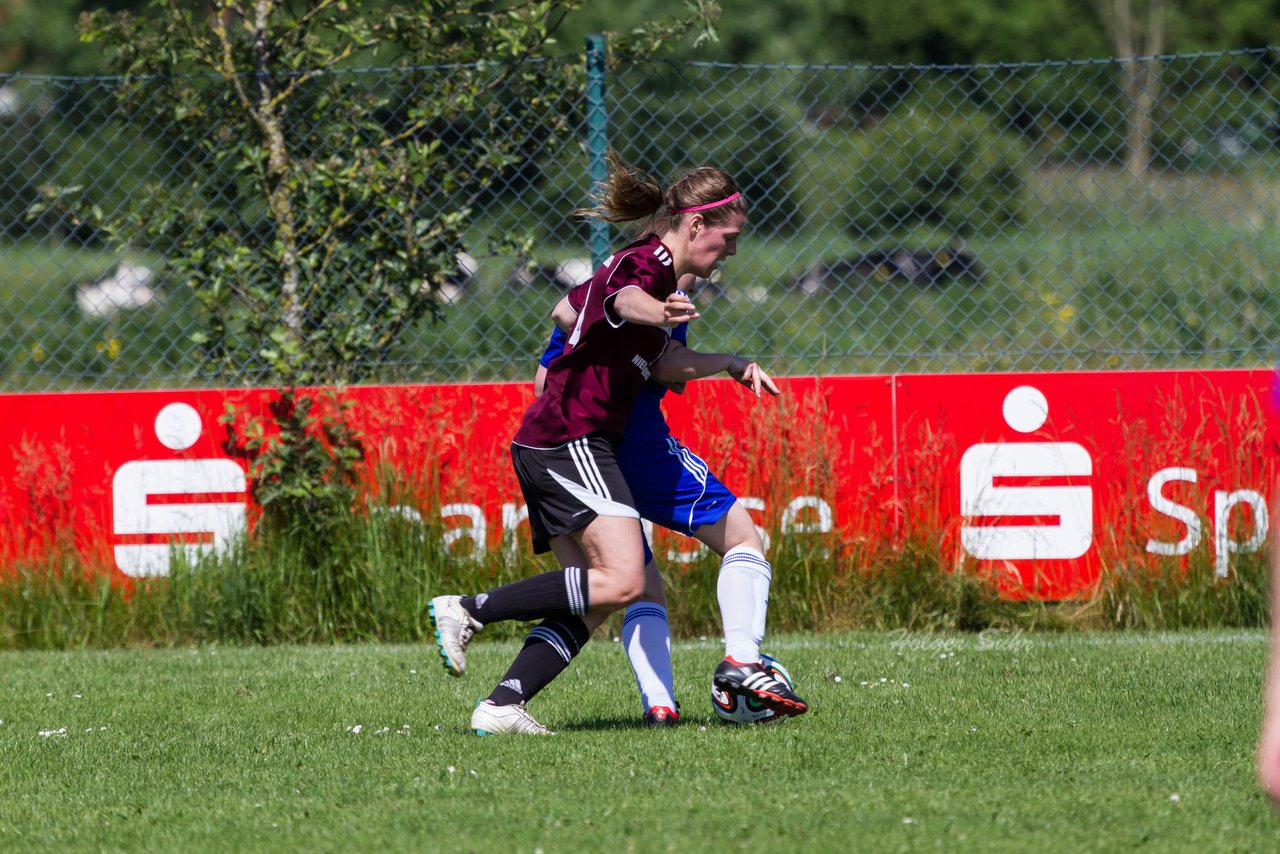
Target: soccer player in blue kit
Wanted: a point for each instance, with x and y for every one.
(674, 488)
(564, 452)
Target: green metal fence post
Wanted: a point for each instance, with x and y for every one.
(597, 139)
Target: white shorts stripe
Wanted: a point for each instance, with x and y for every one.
(602, 506)
(694, 466)
(691, 462)
(587, 468)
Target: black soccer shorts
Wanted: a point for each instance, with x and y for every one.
(569, 486)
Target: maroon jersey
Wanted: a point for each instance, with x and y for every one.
(592, 385)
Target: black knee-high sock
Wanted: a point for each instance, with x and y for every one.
(562, 593)
(546, 652)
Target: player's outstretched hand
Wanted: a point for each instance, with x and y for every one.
(752, 376)
(678, 308)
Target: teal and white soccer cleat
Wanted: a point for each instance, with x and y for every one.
(454, 630)
(490, 719)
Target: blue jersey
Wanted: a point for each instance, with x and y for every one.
(670, 485)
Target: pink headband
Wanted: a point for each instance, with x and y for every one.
(723, 201)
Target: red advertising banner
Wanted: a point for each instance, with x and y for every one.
(1045, 478)
(1039, 478)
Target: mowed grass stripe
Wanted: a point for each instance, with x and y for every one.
(1000, 741)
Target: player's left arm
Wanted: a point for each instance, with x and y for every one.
(633, 305)
(679, 364)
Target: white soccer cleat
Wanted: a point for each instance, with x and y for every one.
(454, 630)
(515, 719)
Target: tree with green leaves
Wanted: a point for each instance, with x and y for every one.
(313, 212)
(315, 208)
(325, 160)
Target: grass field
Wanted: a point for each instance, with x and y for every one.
(1026, 742)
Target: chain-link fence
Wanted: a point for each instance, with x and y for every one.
(1048, 216)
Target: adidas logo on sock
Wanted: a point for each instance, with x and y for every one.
(481, 599)
(513, 684)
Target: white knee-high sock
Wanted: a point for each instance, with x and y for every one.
(646, 636)
(743, 591)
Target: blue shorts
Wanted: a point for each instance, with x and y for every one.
(670, 485)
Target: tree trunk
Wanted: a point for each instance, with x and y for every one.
(268, 115)
(1139, 77)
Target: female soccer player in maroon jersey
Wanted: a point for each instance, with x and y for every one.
(674, 488)
(563, 452)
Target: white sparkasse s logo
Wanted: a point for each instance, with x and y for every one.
(1026, 410)
(197, 505)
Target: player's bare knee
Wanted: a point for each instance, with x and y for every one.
(612, 588)
(627, 587)
(631, 590)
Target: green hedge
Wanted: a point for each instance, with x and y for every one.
(948, 166)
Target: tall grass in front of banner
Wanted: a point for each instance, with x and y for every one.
(357, 555)
(53, 594)
(383, 565)
(1205, 561)
(367, 569)
(58, 603)
(892, 562)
